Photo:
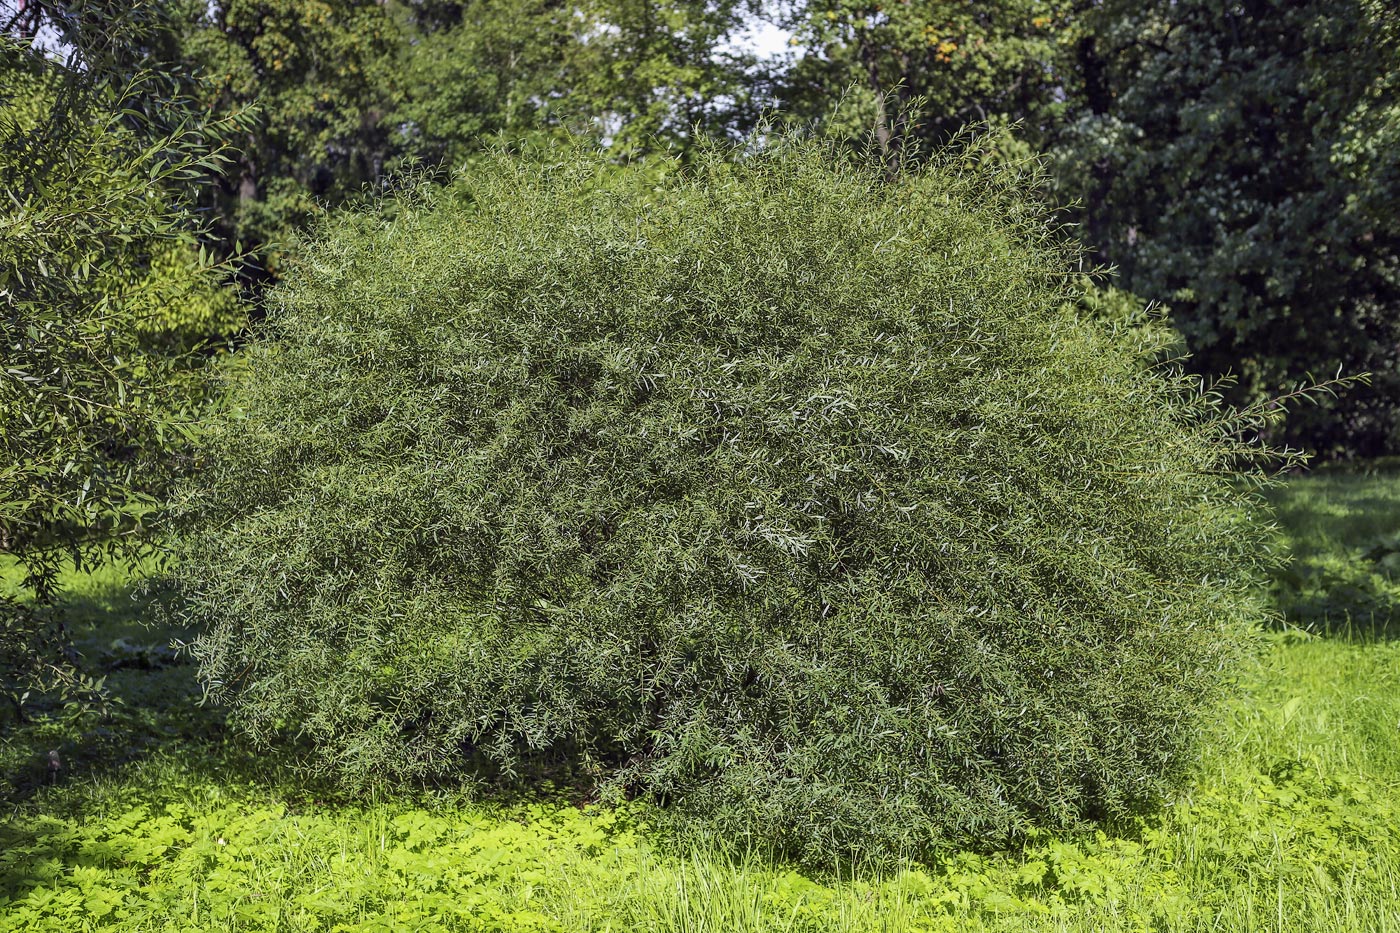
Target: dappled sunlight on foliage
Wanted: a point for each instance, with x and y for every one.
(107, 298)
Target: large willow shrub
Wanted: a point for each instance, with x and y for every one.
(799, 501)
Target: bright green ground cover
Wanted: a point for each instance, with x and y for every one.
(1293, 823)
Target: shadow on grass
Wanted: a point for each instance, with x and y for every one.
(159, 733)
(157, 728)
(1343, 530)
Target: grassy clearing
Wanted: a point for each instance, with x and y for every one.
(163, 822)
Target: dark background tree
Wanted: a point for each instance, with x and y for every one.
(992, 63)
(350, 89)
(321, 75)
(1241, 163)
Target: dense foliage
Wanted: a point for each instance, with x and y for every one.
(104, 294)
(1235, 161)
(1211, 151)
(803, 501)
(1241, 162)
(915, 73)
(349, 89)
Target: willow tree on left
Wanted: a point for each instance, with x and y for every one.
(107, 299)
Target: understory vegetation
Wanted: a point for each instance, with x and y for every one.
(159, 819)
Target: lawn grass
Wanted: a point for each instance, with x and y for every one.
(1342, 527)
(163, 821)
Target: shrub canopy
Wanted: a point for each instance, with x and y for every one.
(801, 501)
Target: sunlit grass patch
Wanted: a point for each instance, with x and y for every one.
(1293, 817)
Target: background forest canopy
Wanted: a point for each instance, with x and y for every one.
(1238, 162)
